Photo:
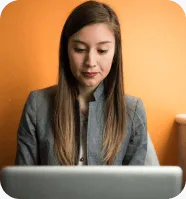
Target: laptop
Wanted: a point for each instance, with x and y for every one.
(92, 182)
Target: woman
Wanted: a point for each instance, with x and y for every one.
(86, 119)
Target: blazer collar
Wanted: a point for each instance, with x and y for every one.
(99, 91)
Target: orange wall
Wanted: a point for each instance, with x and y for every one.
(154, 50)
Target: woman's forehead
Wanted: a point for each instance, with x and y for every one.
(95, 33)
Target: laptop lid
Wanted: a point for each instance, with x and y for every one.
(92, 182)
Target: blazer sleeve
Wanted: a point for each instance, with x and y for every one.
(137, 146)
(27, 148)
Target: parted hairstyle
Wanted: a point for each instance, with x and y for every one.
(65, 117)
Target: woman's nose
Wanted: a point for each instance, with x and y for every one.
(91, 60)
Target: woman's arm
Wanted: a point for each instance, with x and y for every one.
(27, 148)
(137, 147)
(26, 137)
(151, 157)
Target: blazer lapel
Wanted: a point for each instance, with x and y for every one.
(95, 129)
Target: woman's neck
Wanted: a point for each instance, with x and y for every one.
(86, 94)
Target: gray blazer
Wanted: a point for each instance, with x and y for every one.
(35, 136)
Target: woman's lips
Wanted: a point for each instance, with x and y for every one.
(87, 74)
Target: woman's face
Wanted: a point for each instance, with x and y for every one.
(91, 51)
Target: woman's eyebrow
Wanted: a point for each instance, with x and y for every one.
(84, 43)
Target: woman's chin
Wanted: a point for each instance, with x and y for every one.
(90, 83)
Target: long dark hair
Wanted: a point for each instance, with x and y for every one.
(65, 118)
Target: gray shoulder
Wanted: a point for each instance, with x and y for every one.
(131, 103)
(42, 101)
(135, 110)
(45, 95)
(46, 92)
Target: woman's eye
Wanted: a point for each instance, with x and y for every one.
(79, 50)
(102, 51)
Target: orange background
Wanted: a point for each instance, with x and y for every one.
(154, 50)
